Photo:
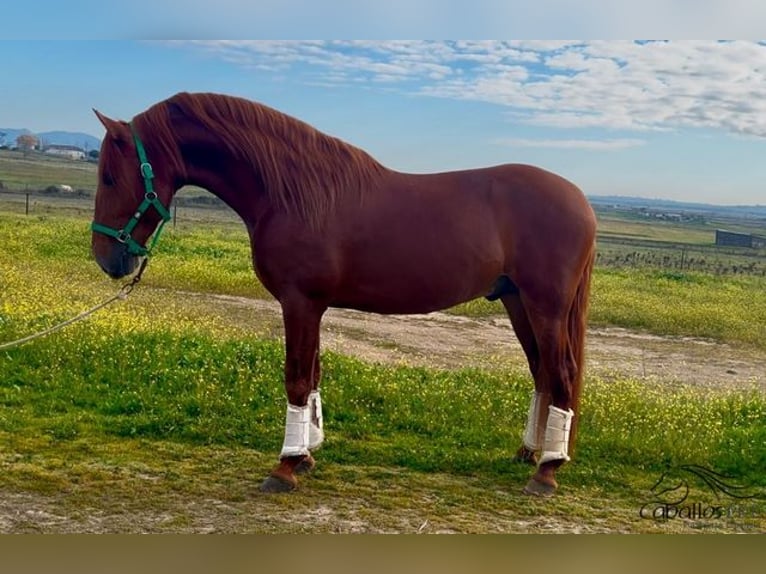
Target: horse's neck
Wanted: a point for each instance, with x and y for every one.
(224, 176)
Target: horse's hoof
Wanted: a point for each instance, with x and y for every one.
(305, 466)
(274, 484)
(536, 488)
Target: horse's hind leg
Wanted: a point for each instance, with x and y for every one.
(557, 374)
(532, 439)
(301, 317)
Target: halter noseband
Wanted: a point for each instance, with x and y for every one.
(150, 199)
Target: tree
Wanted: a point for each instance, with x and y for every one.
(93, 154)
(26, 142)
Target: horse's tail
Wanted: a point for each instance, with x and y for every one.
(577, 324)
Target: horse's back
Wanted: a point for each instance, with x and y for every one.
(528, 184)
(515, 201)
(521, 184)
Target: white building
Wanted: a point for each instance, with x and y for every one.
(68, 151)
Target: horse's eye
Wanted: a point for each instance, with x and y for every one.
(106, 179)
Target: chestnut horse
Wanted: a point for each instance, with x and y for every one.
(329, 226)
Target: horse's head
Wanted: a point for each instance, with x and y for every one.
(131, 199)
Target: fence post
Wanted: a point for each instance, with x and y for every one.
(26, 204)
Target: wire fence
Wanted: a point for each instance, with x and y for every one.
(195, 208)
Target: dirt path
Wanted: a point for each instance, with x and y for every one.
(443, 340)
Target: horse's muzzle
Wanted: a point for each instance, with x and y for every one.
(116, 261)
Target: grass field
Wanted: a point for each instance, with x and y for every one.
(37, 171)
(160, 399)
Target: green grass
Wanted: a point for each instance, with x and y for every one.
(696, 232)
(38, 171)
(158, 386)
(692, 233)
(226, 390)
(731, 309)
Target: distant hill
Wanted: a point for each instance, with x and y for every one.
(625, 202)
(11, 134)
(79, 139)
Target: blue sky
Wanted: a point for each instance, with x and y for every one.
(677, 120)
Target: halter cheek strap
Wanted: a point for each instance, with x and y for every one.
(150, 200)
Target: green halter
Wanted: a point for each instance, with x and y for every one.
(150, 199)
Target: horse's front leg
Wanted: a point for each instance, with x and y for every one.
(303, 420)
(316, 426)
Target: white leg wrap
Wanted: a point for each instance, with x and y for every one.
(297, 428)
(532, 430)
(556, 443)
(316, 432)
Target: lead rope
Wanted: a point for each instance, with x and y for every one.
(122, 294)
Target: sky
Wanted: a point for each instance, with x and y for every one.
(683, 120)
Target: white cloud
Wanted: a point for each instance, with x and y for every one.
(570, 84)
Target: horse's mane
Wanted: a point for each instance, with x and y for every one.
(304, 171)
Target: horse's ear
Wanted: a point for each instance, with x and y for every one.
(116, 130)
